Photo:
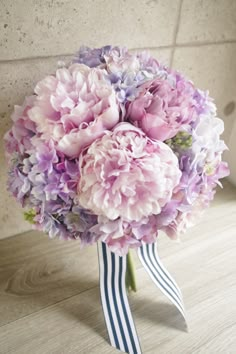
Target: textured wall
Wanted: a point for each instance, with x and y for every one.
(195, 36)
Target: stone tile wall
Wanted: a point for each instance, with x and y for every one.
(195, 36)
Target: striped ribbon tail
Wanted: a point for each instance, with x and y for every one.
(149, 257)
(120, 325)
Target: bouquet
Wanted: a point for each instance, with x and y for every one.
(114, 148)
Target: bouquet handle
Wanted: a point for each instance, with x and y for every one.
(114, 279)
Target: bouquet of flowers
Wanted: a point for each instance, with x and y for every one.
(115, 147)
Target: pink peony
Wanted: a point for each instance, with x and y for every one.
(163, 107)
(125, 174)
(74, 108)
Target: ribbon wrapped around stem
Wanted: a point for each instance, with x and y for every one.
(119, 321)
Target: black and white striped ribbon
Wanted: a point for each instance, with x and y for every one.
(118, 317)
(119, 321)
(148, 255)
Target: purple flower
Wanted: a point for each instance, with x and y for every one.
(91, 57)
(46, 156)
(18, 184)
(126, 71)
(79, 223)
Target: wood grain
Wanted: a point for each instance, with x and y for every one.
(49, 296)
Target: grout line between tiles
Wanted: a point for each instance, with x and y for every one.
(177, 45)
(162, 47)
(204, 43)
(176, 31)
(7, 61)
(231, 133)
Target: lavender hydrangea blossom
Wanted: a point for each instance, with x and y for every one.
(46, 184)
(125, 70)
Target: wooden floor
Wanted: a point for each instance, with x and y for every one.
(49, 296)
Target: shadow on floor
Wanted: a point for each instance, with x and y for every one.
(159, 313)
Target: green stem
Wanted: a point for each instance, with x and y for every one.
(130, 280)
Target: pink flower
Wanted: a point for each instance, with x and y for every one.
(120, 61)
(188, 218)
(74, 108)
(121, 235)
(125, 174)
(183, 221)
(18, 139)
(163, 107)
